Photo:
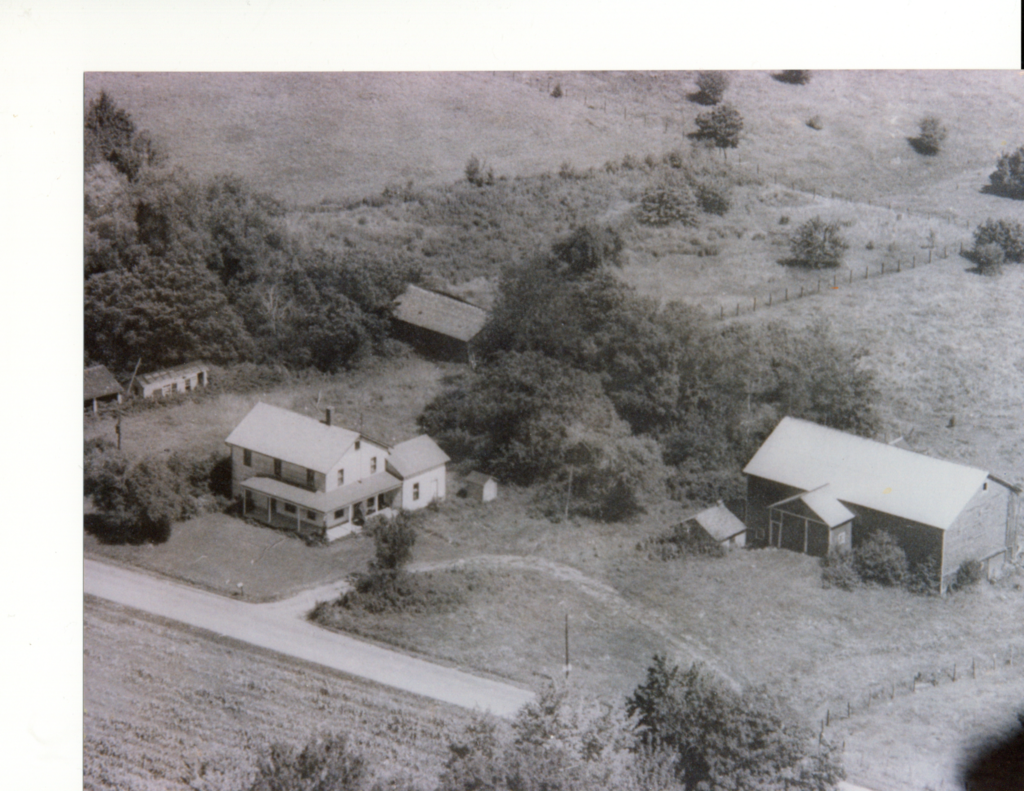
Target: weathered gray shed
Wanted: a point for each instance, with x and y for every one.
(101, 386)
(721, 525)
(180, 379)
(438, 324)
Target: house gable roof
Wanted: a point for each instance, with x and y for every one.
(292, 437)
(479, 478)
(439, 313)
(720, 523)
(415, 456)
(99, 382)
(863, 472)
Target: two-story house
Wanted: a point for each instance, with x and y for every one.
(296, 472)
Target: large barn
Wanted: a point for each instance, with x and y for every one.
(438, 324)
(811, 489)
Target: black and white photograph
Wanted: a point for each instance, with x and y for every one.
(535, 430)
(517, 423)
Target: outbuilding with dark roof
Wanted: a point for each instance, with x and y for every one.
(438, 324)
(101, 387)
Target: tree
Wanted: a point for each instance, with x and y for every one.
(794, 76)
(989, 258)
(711, 85)
(110, 136)
(1008, 177)
(1007, 235)
(723, 739)
(931, 137)
(165, 313)
(721, 126)
(477, 172)
(393, 540)
(817, 244)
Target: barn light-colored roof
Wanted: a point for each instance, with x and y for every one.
(415, 456)
(99, 382)
(864, 472)
(171, 374)
(439, 313)
(832, 512)
(720, 523)
(292, 437)
(324, 501)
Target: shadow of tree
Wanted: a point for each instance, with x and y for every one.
(922, 147)
(699, 97)
(999, 765)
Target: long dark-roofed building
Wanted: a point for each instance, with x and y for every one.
(438, 324)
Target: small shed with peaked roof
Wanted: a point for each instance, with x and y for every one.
(101, 387)
(721, 525)
(481, 487)
(438, 324)
(811, 488)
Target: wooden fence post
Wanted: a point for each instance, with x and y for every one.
(769, 299)
(865, 273)
(801, 291)
(755, 303)
(786, 298)
(737, 308)
(929, 255)
(897, 266)
(974, 670)
(883, 267)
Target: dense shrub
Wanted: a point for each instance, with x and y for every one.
(794, 76)
(667, 203)
(931, 136)
(815, 123)
(394, 592)
(968, 574)
(477, 172)
(326, 763)
(1008, 235)
(713, 195)
(881, 560)
(682, 540)
(839, 571)
(556, 92)
(924, 577)
(817, 244)
(989, 258)
(1008, 177)
(723, 739)
(711, 86)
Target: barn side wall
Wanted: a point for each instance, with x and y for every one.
(979, 531)
(432, 344)
(921, 543)
(760, 494)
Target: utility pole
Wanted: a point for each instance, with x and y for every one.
(568, 667)
(117, 427)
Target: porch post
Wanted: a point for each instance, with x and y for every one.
(298, 518)
(269, 518)
(805, 535)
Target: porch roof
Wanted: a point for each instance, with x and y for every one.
(324, 501)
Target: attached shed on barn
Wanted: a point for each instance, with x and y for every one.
(811, 489)
(481, 487)
(101, 387)
(721, 526)
(180, 379)
(438, 324)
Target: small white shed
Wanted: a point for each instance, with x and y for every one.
(481, 487)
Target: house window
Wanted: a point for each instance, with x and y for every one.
(250, 501)
(311, 479)
(188, 385)
(174, 387)
(984, 487)
(247, 458)
(289, 508)
(415, 491)
(841, 537)
(371, 506)
(373, 465)
(277, 468)
(357, 444)
(339, 514)
(311, 515)
(341, 477)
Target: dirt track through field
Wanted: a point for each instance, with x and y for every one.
(280, 627)
(687, 649)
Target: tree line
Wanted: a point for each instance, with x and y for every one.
(178, 269)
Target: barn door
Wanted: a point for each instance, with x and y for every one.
(774, 528)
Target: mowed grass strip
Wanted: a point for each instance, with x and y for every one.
(511, 623)
(164, 703)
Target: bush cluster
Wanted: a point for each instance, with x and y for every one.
(1006, 235)
(817, 244)
(1008, 177)
(667, 203)
(711, 86)
(683, 540)
(880, 560)
(931, 136)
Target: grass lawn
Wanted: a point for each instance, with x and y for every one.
(217, 552)
(166, 707)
